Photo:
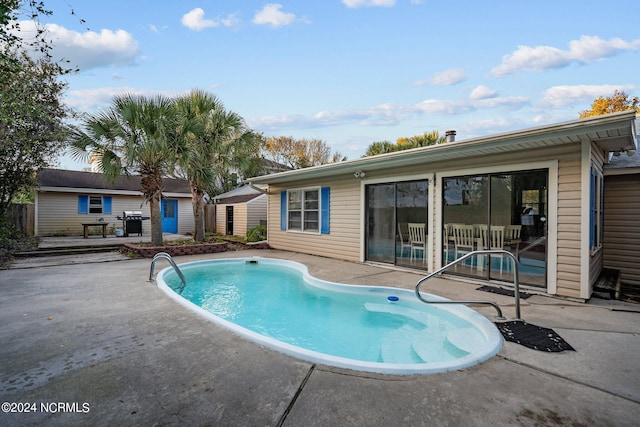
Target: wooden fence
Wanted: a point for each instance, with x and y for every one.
(210, 218)
(23, 218)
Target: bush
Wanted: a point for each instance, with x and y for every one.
(257, 234)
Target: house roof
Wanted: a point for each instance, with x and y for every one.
(241, 194)
(612, 132)
(59, 178)
(623, 164)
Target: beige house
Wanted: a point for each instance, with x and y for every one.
(537, 193)
(66, 199)
(240, 210)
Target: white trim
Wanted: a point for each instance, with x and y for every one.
(585, 198)
(394, 179)
(552, 208)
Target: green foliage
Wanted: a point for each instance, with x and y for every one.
(257, 234)
(423, 140)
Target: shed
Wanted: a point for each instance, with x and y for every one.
(240, 210)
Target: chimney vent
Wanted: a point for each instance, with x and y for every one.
(450, 135)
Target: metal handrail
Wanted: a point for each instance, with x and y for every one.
(493, 304)
(173, 264)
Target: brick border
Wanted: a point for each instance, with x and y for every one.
(203, 248)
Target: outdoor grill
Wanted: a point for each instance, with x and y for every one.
(132, 222)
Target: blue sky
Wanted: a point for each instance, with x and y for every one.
(352, 72)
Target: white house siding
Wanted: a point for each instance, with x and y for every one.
(256, 211)
(186, 220)
(622, 226)
(58, 215)
(343, 241)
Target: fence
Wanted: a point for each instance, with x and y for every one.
(210, 218)
(23, 218)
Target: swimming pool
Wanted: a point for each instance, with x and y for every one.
(277, 303)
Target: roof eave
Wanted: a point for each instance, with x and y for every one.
(618, 127)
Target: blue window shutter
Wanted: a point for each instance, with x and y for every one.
(283, 210)
(106, 205)
(324, 213)
(83, 204)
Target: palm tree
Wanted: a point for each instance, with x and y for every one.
(135, 135)
(212, 142)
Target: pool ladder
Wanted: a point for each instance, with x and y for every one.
(173, 264)
(516, 284)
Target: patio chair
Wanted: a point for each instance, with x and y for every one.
(463, 238)
(417, 241)
(491, 238)
(403, 235)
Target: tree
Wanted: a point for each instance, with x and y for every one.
(380, 147)
(31, 121)
(136, 135)
(213, 141)
(404, 143)
(299, 153)
(620, 101)
(31, 109)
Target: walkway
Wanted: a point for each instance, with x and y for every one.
(115, 350)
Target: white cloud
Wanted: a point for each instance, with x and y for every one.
(561, 96)
(89, 49)
(385, 114)
(273, 16)
(448, 77)
(89, 100)
(540, 58)
(482, 92)
(194, 20)
(368, 3)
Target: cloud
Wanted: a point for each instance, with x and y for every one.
(89, 100)
(194, 20)
(482, 92)
(272, 16)
(89, 49)
(561, 96)
(448, 77)
(369, 3)
(385, 114)
(540, 58)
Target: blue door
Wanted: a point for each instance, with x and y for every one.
(169, 215)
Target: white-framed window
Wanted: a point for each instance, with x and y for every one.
(88, 204)
(305, 210)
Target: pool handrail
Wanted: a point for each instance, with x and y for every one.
(173, 264)
(516, 284)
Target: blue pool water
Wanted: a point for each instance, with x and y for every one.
(278, 304)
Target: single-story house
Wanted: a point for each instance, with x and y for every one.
(66, 199)
(622, 217)
(537, 193)
(240, 210)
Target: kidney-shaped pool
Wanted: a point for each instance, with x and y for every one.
(277, 303)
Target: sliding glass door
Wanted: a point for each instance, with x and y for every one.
(396, 222)
(497, 211)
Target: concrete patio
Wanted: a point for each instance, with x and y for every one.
(97, 337)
